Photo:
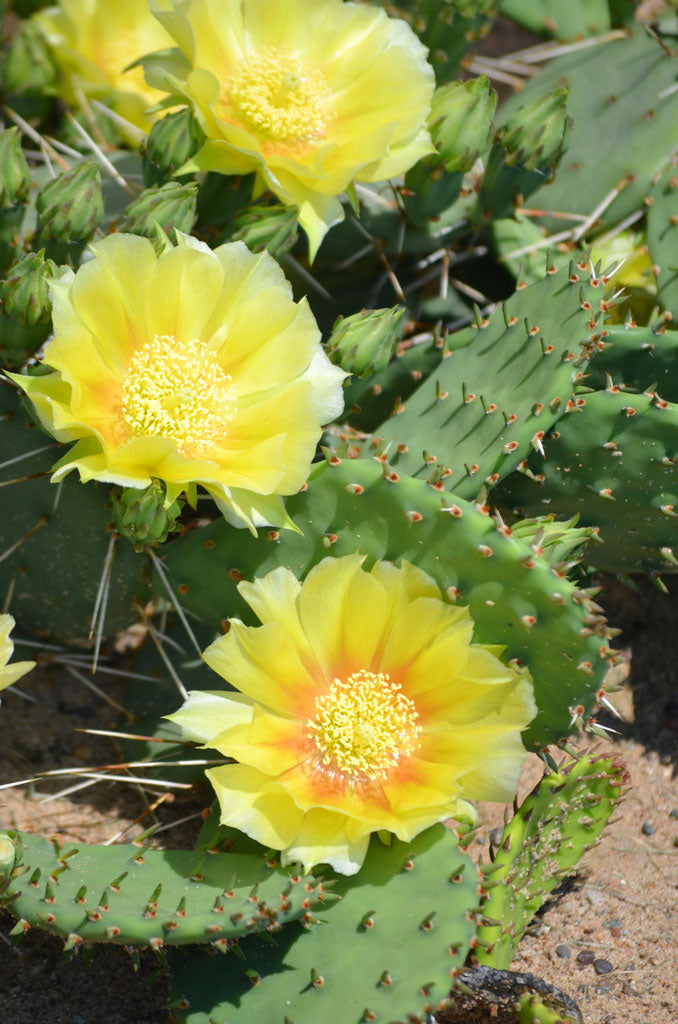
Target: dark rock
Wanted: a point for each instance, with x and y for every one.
(586, 957)
(648, 829)
(602, 966)
(563, 951)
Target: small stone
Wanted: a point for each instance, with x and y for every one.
(613, 922)
(587, 956)
(563, 951)
(495, 836)
(595, 897)
(602, 966)
(673, 813)
(603, 990)
(648, 829)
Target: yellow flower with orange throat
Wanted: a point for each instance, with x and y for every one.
(360, 705)
(193, 367)
(310, 95)
(94, 41)
(10, 673)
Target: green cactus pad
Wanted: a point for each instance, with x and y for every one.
(502, 385)
(662, 235)
(560, 19)
(550, 831)
(515, 597)
(638, 359)
(388, 948)
(131, 894)
(613, 464)
(616, 94)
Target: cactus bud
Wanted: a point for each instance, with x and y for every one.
(461, 121)
(10, 849)
(143, 515)
(535, 136)
(171, 142)
(27, 66)
(168, 206)
(25, 291)
(364, 342)
(275, 228)
(15, 176)
(71, 206)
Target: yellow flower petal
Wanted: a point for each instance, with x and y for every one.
(262, 810)
(200, 717)
(167, 368)
(372, 709)
(10, 673)
(309, 111)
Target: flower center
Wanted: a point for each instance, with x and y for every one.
(176, 389)
(364, 726)
(280, 96)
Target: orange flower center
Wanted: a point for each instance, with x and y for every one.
(177, 390)
(281, 96)
(364, 726)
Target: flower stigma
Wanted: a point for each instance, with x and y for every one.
(280, 96)
(177, 390)
(364, 726)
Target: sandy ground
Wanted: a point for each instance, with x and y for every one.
(620, 907)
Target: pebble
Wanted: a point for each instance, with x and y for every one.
(563, 951)
(587, 956)
(495, 836)
(673, 813)
(648, 829)
(613, 922)
(602, 966)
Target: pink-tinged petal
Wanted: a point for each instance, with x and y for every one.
(436, 622)
(323, 839)
(206, 713)
(267, 742)
(259, 808)
(264, 663)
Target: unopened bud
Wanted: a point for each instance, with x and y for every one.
(171, 142)
(169, 206)
(15, 176)
(461, 121)
(143, 515)
(24, 293)
(71, 206)
(275, 228)
(536, 135)
(27, 66)
(364, 342)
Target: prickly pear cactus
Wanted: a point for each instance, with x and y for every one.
(387, 949)
(549, 832)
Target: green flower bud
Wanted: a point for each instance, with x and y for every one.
(25, 291)
(461, 121)
(364, 342)
(167, 206)
(275, 228)
(535, 136)
(15, 176)
(10, 852)
(143, 516)
(71, 206)
(171, 142)
(27, 66)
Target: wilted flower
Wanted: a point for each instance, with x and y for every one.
(93, 41)
(10, 673)
(364, 706)
(194, 367)
(309, 94)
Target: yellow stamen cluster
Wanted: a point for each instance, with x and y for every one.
(364, 726)
(177, 390)
(280, 96)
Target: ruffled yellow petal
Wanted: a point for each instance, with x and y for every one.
(206, 713)
(267, 742)
(254, 805)
(10, 673)
(323, 839)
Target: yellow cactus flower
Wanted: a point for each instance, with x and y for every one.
(311, 95)
(94, 41)
(10, 673)
(363, 706)
(192, 367)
